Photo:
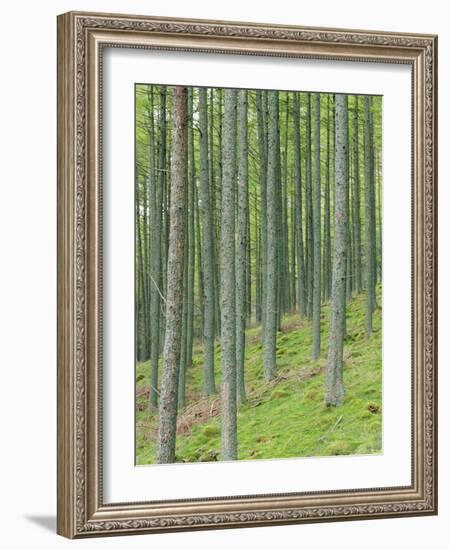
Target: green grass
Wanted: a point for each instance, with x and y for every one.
(287, 417)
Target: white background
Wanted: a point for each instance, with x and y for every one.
(28, 274)
(122, 481)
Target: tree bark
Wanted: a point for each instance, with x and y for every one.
(301, 280)
(168, 407)
(271, 284)
(309, 211)
(227, 279)
(208, 249)
(241, 239)
(327, 262)
(334, 391)
(356, 203)
(191, 234)
(369, 257)
(316, 313)
(183, 354)
(156, 185)
(284, 272)
(261, 126)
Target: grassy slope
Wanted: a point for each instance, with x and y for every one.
(286, 418)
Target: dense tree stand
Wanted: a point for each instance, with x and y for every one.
(258, 224)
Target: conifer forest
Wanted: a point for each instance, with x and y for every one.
(258, 274)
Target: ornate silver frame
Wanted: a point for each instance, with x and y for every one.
(81, 37)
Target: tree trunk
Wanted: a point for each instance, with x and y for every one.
(327, 214)
(356, 203)
(373, 204)
(241, 239)
(279, 275)
(191, 234)
(316, 314)
(369, 257)
(213, 202)
(227, 279)
(208, 249)
(156, 186)
(301, 281)
(261, 125)
(142, 319)
(379, 209)
(168, 407)
(286, 297)
(309, 211)
(183, 354)
(292, 237)
(334, 391)
(271, 284)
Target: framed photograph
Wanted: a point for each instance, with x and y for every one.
(247, 274)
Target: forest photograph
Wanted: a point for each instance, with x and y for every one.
(258, 274)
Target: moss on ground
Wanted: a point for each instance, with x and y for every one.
(287, 417)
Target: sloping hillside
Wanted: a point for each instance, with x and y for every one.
(287, 417)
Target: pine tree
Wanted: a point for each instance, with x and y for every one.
(241, 239)
(369, 257)
(316, 210)
(168, 407)
(271, 284)
(227, 278)
(334, 391)
(208, 248)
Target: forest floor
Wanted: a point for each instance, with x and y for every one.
(287, 417)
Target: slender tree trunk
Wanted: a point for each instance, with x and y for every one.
(286, 297)
(261, 125)
(146, 230)
(279, 277)
(199, 247)
(379, 209)
(217, 206)
(356, 203)
(191, 234)
(213, 203)
(334, 392)
(301, 281)
(373, 203)
(248, 294)
(349, 254)
(208, 249)
(183, 354)
(292, 236)
(227, 278)
(327, 214)
(141, 294)
(164, 174)
(241, 239)
(316, 313)
(369, 257)
(309, 211)
(258, 274)
(157, 184)
(168, 407)
(270, 312)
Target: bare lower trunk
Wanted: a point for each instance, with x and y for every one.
(208, 249)
(241, 242)
(369, 257)
(168, 407)
(227, 280)
(270, 299)
(334, 392)
(316, 209)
